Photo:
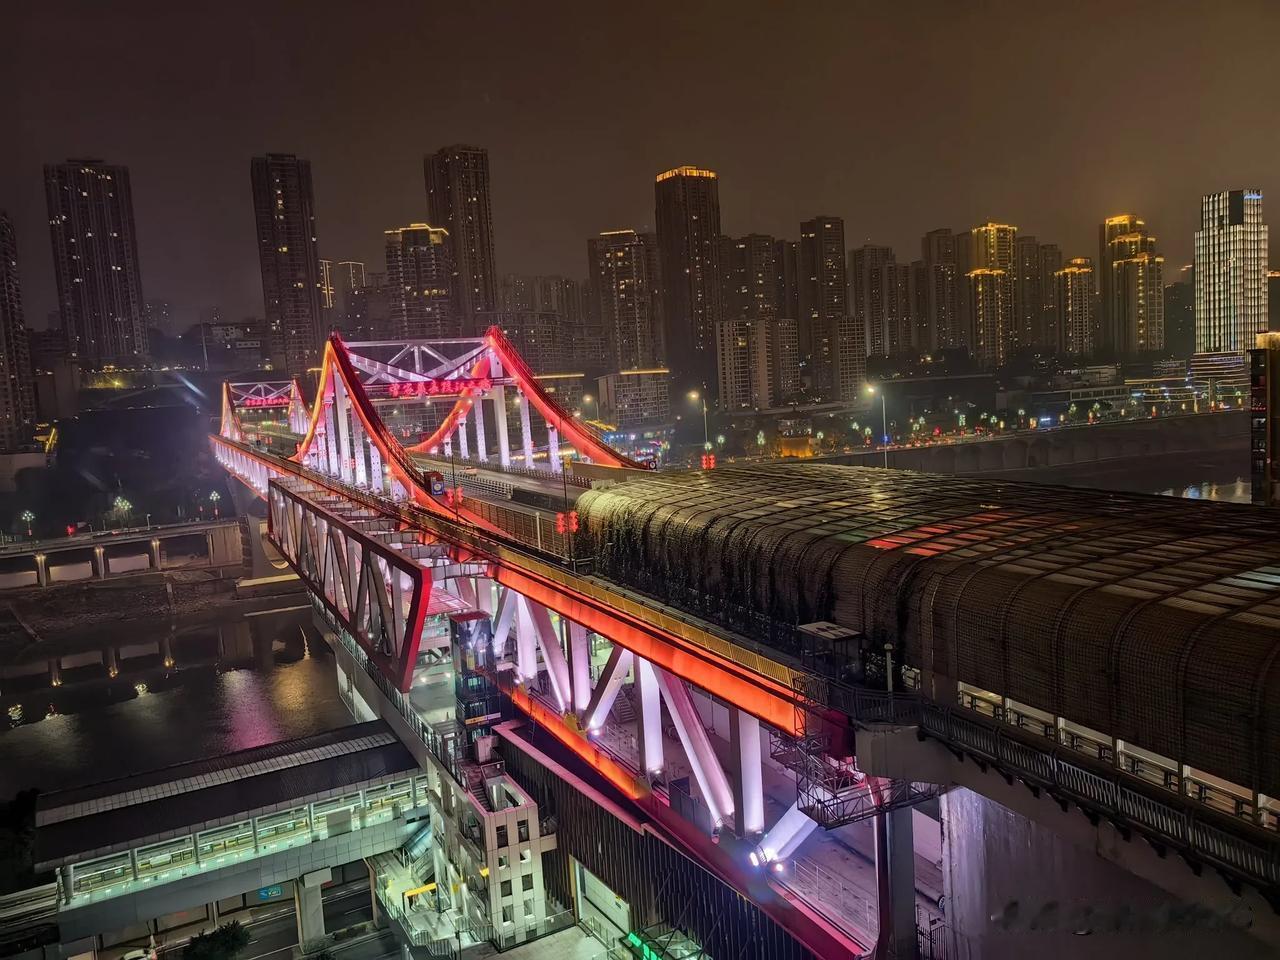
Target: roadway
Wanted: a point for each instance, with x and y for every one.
(273, 929)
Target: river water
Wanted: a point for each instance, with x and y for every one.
(224, 683)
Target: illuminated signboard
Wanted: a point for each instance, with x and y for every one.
(434, 388)
(264, 402)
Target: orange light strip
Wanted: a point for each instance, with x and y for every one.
(601, 762)
(578, 437)
(460, 406)
(758, 695)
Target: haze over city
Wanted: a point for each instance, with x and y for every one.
(900, 120)
(566, 481)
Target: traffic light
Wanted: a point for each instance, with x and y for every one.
(567, 522)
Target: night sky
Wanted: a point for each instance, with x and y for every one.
(898, 117)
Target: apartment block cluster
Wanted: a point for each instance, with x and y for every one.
(750, 322)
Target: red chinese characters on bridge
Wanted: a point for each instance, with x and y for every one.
(433, 388)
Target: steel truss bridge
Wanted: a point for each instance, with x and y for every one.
(430, 476)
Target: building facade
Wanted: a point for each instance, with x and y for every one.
(1231, 272)
(940, 283)
(17, 391)
(1048, 337)
(419, 277)
(284, 213)
(635, 398)
(95, 261)
(458, 201)
(687, 201)
(626, 297)
(1074, 298)
(992, 300)
(823, 297)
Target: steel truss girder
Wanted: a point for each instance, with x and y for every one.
(361, 570)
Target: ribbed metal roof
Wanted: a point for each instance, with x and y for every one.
(185, 795)
(1151, 618)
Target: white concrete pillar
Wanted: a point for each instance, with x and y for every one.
(482, 452)
(500, 424)
(463, 449)
(341, 405)
(553, 448)
(649, 718)
(580, 664)
(748, 775)
(309, 905)
(377, 476)
(526, 432)
(896, 884)
(359, 443)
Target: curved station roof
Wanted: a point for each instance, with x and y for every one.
(1153, 619)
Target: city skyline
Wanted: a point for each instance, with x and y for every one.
(1047, 183)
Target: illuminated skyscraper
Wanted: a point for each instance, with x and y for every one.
(1131, 287)
(419, 275)
(942, 283)
(825, 318)
(458, 201)
(626, 296)
(17, 397)
(869, 298)
(1074, 298)
(95, 260)
(1028, 298)
(1047, 337)
(994, 329)
(1231, 272)
(284, 212)
(687, 203)
(350, 293)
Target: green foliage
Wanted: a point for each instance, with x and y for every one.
(225, 943)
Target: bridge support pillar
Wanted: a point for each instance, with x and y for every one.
(100, 563)
(526, 432)
(463, 450)
(482, 452)
(747, 775)
(649, 708)
(896, 885)
(579, 665)
(42, 570)
(309, 905)
(500, 424)
(553, 449)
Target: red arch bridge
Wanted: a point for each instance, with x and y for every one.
(437, 481)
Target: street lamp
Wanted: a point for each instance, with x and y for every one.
(214, 497)
(588, 398)
(695, 396)
(28, 518)
(884, 421)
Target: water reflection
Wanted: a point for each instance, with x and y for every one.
(92, 707)
(1237, 491)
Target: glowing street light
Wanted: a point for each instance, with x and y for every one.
(28, 518)
(695, 396)
(884, 420)
(214, 497)
(588, 398)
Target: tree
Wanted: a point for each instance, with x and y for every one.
(224, 943)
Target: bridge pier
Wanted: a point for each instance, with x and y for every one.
(896, 885)
(309, 905)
